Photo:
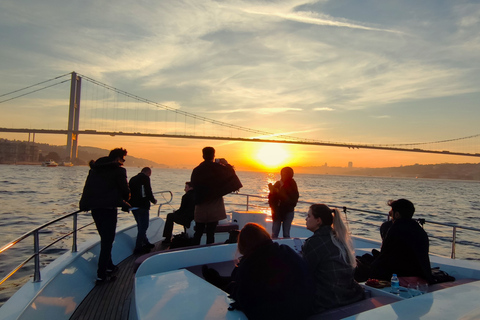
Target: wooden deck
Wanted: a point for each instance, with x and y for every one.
(111, 301)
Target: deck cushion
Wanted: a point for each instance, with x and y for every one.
(354, 308)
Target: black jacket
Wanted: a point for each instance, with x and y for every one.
(273, 282)
(106, 185)
(212, 180)
(141, 191)
(187, 208)
(283, 199)
(404, 252)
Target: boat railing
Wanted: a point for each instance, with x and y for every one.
(73, 233)
(163, 193)
(261, 203)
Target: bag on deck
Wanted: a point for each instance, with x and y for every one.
(440, 276)
(181, 240)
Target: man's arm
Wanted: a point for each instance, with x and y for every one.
(122, 183)
(148, 191)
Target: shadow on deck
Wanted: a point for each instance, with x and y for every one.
(111, 301)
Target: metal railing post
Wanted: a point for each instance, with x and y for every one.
(248, 201)
(74, 236)
(36, 249)
(454, 239)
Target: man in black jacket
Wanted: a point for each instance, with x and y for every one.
(142, 195)
(184, 215)
(405, 248)
(106, 188)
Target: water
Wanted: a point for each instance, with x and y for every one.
(32, 195)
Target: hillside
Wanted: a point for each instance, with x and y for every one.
(14, 151)
(461, 171)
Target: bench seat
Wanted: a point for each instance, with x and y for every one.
(354, 308)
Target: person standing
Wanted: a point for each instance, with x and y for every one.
(142, 195)
(106, 188)
(184, 215)
(211, 180)
(283, 198)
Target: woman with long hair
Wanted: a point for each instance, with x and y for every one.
(271, 281)
(330, 257)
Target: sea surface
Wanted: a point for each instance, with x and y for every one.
(33, 195)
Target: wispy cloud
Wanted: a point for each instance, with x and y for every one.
(323, 109)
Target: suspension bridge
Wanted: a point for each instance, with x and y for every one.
(106, 110)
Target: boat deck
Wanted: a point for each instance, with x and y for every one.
(111, 300)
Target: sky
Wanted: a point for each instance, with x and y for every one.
(370, 72)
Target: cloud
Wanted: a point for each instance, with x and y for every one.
(323, 109)
(238, 60)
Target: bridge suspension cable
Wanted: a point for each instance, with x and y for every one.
(184, 113)
(107, 112)
(34, 85)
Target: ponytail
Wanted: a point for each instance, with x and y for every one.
(342, 240)
(340, 236)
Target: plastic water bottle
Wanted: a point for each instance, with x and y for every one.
(395, 284)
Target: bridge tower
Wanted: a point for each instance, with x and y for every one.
(74, 117)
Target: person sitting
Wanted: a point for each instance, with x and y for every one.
(184, 214)
(386, 226)
(404, 250)
(271, 281)
(330, 257)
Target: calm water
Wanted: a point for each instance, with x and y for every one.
(32, 195)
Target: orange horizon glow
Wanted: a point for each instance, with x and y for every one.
(250, 156)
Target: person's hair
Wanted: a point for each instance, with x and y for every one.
(251, 237)
(188, 183)
(288, 172)
(146, 170)
(117, 153)
(340, 236)
(404, 207)
(208, 153)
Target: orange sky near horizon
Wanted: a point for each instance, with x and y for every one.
(250, 156)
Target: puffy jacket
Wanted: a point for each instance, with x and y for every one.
(106, 185)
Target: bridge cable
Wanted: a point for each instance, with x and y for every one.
(34, 91)
(187, 114)
(6, 94)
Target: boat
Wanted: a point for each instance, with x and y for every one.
(49, 163)
(66, 164)
(168, 284)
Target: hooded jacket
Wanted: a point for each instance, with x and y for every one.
(106, 185)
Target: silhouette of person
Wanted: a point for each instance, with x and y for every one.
(404, 250)
(106, 188)
(282, 199)
(183, 216)
(211, 181)
(142, 195)
(271, 281)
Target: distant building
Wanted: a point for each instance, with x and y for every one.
(17, 151)
(350, 164)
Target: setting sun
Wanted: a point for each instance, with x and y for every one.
(272, 155)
